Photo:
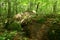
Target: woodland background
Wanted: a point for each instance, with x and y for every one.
(45, 25)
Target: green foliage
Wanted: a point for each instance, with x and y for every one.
(14, 26)
(41, 20)
(7, 36)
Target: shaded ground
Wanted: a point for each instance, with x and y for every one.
(45, 27)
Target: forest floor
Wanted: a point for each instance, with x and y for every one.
(45, 28)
